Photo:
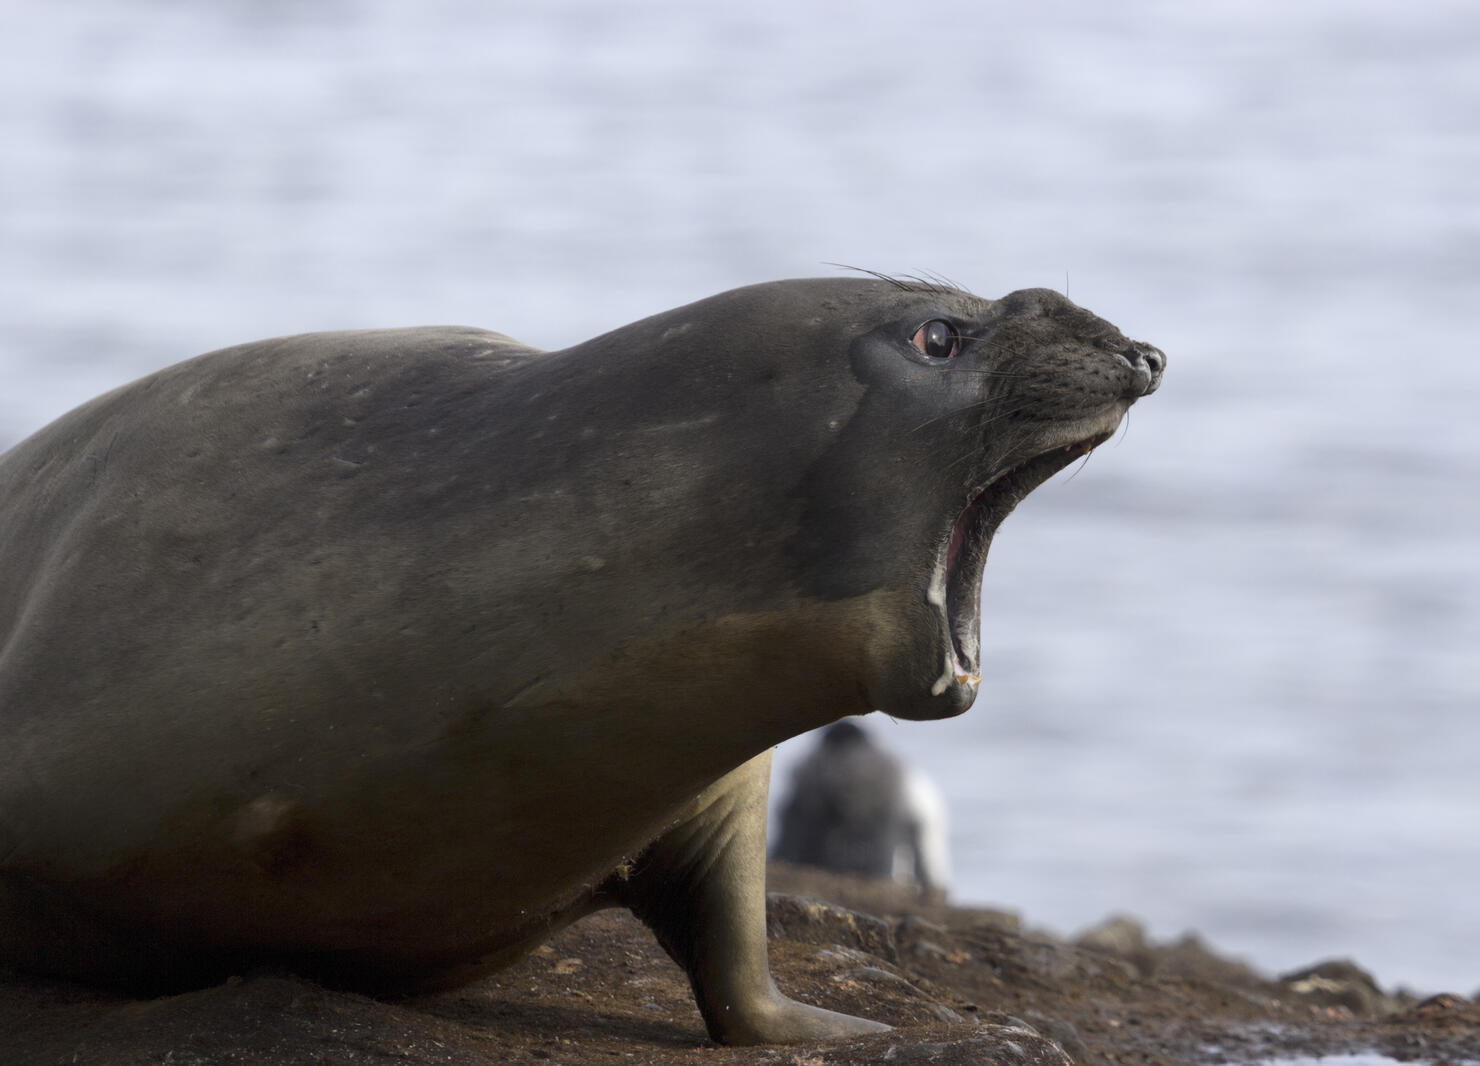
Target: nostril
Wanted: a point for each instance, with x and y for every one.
(1139, 355)
(1148, 361)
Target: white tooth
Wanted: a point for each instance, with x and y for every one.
(935, 595)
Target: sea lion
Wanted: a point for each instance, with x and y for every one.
(384, 654)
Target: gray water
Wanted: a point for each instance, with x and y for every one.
(1232, 679)
(1359, 1059)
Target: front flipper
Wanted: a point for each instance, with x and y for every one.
(701, 887)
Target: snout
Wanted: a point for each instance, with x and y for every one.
(1146, 363)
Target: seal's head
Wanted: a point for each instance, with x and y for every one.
(968, 405)
(834, 455)
(1057, 381)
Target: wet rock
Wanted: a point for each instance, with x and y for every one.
(1443, 1011)
(856, 982)
(811, 921)
(603, 991)
(1189, 956)
(1339, 983)
(252, 1020)
(986, 918)
(1057, 1030)
(997, 1045)
(1043, 962)
(1062, 1033)
(1443, 1003)
(1118, 934)
(919, 939)
(883, 984)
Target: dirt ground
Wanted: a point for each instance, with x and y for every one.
(960, 985)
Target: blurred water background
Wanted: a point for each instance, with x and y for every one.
(1232, 677)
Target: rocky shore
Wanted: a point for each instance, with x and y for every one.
(960, 985)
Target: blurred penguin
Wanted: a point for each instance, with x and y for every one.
(855, 808)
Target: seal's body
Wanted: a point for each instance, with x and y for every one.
(384, 654)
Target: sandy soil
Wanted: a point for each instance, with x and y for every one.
(960, 985)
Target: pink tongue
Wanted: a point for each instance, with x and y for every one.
(958, 537)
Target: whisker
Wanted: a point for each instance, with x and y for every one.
(929, 283)
(940, 281)
(1009, 456)
(975, 404)
(982, 371)
(1021, 450)
(1081, 466)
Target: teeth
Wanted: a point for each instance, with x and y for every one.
(962, 678)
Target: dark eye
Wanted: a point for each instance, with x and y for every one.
(937, 339)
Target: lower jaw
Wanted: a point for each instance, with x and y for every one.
(955, 587)
(956, 673)
(956, 677)
(919, 695)
(953, 698)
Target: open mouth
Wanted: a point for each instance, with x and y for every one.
(971, 536)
